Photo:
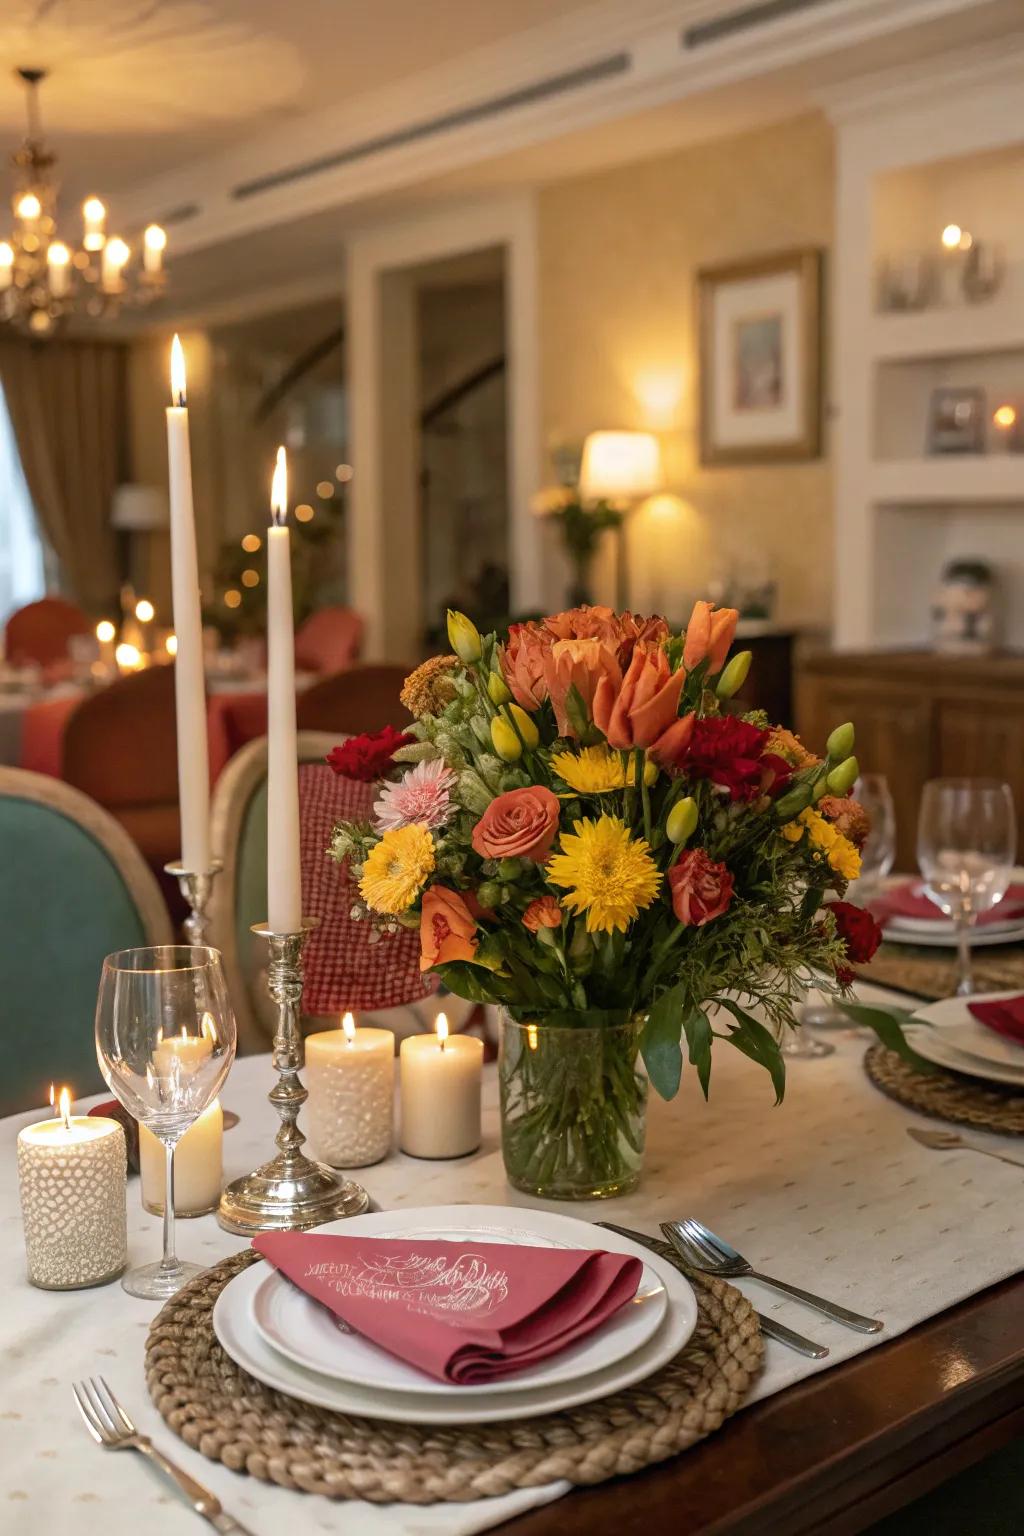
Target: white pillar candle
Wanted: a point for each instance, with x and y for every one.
(198, 1166)
(180, 1054)
(72, 1175)
(284, 871)
(350, 1075)
(440, 1085)
(189, 680)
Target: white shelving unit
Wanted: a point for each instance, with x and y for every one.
(917, 148)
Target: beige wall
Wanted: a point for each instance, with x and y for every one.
(619, 251)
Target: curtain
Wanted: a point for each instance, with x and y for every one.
(67, 402)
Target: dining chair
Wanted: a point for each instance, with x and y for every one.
(363, 698)
(74, 889)
(40, 632)
(329, 640)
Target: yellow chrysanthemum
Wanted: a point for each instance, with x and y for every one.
(598, 770)
(606, 873)
(396, 868)
(840, 852)
(844, 858)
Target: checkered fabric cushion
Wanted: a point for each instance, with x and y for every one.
(343, 968)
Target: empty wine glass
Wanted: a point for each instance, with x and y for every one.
(879, 852)
(966, 847)
(165, 1040)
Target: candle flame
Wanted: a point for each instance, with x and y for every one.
(177, 372)
(65, 1108)
(209, 1029)
(348, 1024)
(184, 1032)
(441, 1026)
(279, 490)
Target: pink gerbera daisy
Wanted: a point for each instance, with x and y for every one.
(421, 795)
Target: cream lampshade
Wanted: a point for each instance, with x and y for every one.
(620, 466)
(139, 509)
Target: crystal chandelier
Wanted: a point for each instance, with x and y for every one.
(42, 279)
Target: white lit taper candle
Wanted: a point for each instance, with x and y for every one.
(350, 1075)
(71, 1174)
(284, 872)
(189, 681)
(440, 1084)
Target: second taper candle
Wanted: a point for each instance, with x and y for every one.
(284, 870)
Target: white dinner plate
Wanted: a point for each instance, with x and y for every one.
(939, 935)
(236, 1331)
(307, 1332)
(950, 1037)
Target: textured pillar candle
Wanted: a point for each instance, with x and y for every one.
(72, 1174)
(350, 1074)
(198, 1166)
(440, 1085)
(189, 678)
(284, 873)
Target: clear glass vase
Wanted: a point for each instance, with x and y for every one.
(573, 1107)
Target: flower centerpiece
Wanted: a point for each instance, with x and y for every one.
(587, 831)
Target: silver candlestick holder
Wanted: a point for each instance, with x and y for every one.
(195, 886)
(291, 1192)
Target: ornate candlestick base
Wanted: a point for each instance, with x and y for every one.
(291, 1192)
(195, 885)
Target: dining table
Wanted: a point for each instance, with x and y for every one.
(826, 1190)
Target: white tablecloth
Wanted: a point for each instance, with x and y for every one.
(828, 1191)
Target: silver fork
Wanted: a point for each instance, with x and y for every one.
(952, 1141)
(111, 1427)
(699, 1246)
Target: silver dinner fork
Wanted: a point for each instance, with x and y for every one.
(111, 1427)
(699, 1246)
(952, 1141)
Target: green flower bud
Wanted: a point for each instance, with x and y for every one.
(509, 869)
(842, 779)
(682, 820)
(489, 894)
(547, 936)
(497, 688)
(472, 792)
(527, 729)
(794, 801)
(416, 752)
(481, 730)
(505, 741)
(734, 675)
(463, 637)
(840, 743)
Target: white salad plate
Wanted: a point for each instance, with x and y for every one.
(439, 1403)
(948, 1036)
(935, 933)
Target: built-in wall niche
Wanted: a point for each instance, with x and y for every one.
(904, 391)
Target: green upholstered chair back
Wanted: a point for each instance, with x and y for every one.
(73, 888)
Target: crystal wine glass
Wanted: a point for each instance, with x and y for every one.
(966, 847)
(165, 1040)
(879, 852)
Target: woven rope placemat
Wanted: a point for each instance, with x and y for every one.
(946, 1095)
(931, 973)
(222, 1411)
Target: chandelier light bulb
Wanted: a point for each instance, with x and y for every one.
(154, 243)
(29, 207)
(115, 257)
(58, 261)
(6, 264)
(93, 215)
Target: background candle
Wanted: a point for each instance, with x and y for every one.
(440, 1086)
(350, 1074)
(284, 875)
(72, 1174)
(189, 679)
(198, 1166)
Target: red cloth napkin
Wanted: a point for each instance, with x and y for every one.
(465, 1313)
(909, 900)
(1006, 1018)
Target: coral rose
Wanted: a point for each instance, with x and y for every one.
(447, 928)
(583, 665)
(701, 888)
(709, 635)
(520, 824)
(645, 708)
(542, 913)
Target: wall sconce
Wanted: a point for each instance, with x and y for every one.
(621, 467)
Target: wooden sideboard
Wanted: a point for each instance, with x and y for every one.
(919, 716)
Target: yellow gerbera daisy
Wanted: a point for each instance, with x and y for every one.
(598, 770)
(607, 873)
(396, 869)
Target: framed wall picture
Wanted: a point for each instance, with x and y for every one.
(956, 420)
(759, 327)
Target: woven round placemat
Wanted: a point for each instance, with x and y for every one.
(946, 1095)
(931, 973)
(222, 1411)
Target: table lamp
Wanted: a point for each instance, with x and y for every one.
(622, 467)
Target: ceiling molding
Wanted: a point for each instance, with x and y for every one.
(987, 63)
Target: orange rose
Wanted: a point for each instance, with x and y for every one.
(522, 664)
(579, 664)
(645, 708)
(709, 634)
(542, 913)
(447, 928)
(520, 824)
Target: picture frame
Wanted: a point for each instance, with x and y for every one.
(957, 420)
(759, 356)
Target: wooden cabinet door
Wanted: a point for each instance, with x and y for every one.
(983, 738)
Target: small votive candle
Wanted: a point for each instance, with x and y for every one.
(198, 1166)
(440, 1083)
(350, 1075)
(72, 1174)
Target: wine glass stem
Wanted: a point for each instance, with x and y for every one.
(964, 980)
(169, 1261)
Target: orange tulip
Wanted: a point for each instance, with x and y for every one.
(709, 634)
(583, 665)
(645, 708)
(447, 928)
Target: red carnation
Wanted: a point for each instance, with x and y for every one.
(727, 751)
(860, 933)
(369, 756)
